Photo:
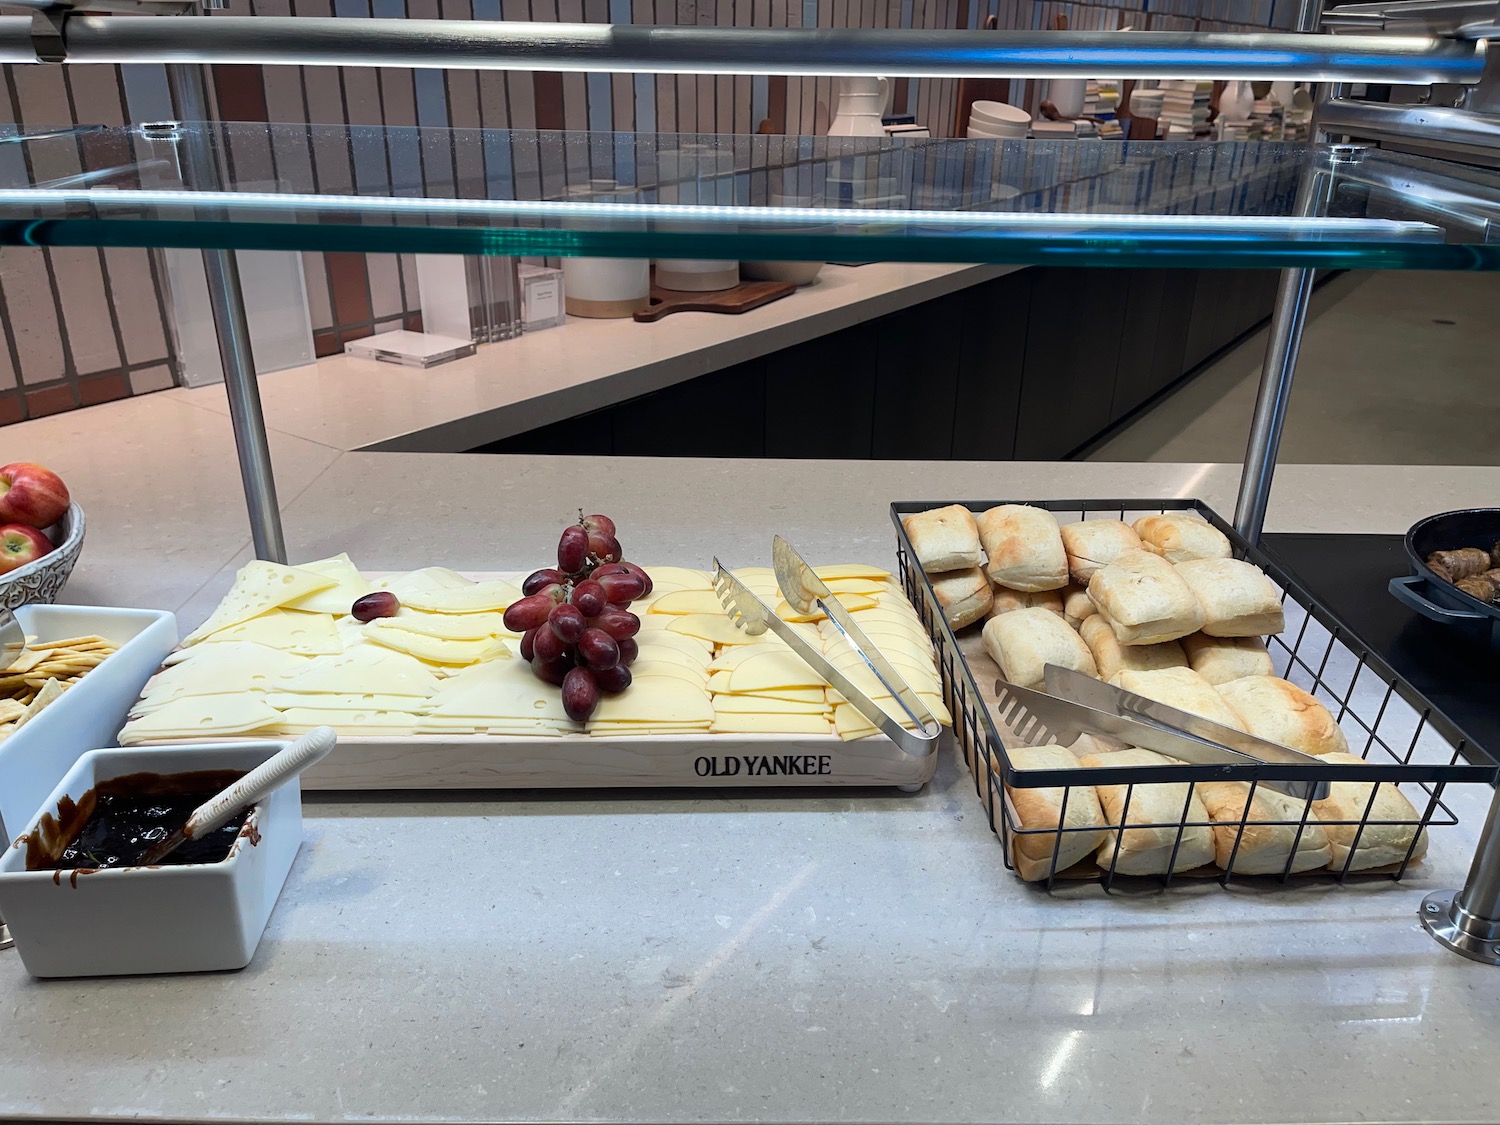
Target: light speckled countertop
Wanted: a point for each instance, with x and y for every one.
(849, 956)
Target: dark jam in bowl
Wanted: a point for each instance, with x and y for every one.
(115, 823)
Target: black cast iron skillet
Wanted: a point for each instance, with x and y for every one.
(1430, 595)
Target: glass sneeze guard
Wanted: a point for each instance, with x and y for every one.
(404, 189)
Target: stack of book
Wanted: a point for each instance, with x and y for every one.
(1184, 108)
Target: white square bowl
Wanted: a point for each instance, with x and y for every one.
(90, 713)
(191, 918)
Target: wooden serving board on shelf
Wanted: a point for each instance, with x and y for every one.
(743, 297)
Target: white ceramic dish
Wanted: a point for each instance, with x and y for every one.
(996, 132)
(183, 919)
(91, 712)
(798, 273)
(999, 113)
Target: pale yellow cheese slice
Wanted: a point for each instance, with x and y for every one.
(905, 660)
(686, 577)
(657, 700)
(647, 730)
(436, 650)
(642, 668)
(688, 601)
(300, 720)
(258, 587)
(476, 597)
(710, 627)
(831, 571)
(731, 658)
(870, 587)
(524, 730)
(349, 586)
(695, 647)
(500, 691)
(792, 695)
(364, 668)
(310, 634)
(200, 716)
(851, 602)
(812, 725)
(223, 667)
(764, 705)
(449, 626)
(364, 701)
(665, 653)
(887, 703)
(777, 668)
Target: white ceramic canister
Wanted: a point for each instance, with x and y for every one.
(605, 288)
(692, 171)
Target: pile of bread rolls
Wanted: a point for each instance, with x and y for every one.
(1160, 608)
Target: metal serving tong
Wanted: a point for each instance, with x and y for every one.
(1080, 704)
(749, 613)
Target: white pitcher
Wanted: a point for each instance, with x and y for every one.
(860, 107)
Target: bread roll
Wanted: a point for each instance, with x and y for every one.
(1024, 641)
(1077, 606)
(1039, 809)
(1024, 547)
(1144, 599)
(1095, 543)
(1237, 598)
(1263, 847)
(1112, 658)
(1184, 689)
(1180, 536)
(963, 594)
(1007, 600)
(1282, 712)
(1221, 659)
(1379, 844)
(1147, 851)
(944, 538)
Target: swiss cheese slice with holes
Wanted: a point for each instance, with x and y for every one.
(290, 630)
(449, 626)
(436, 650)
(811, 725)
(199, 716)
(226, 666)
(258, 588)
(501, 690)
(364, 668)
(680, 602)
(765, 705)
(658, 700)
(349, 586)
(830, 571)
(363, 701)
(300, 720)
(477, 597)
(778, 668)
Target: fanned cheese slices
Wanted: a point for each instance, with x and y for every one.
(259, 587)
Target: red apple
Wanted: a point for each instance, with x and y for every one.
(31, 495)
(20, 545)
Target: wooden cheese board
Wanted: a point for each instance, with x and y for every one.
(481, 759)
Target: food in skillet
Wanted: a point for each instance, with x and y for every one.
(1473, 570)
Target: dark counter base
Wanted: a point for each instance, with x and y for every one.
(1035, 365)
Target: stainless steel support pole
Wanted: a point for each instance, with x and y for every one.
(1468, 921)
(227, 300)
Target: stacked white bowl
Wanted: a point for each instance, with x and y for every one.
(998, 121)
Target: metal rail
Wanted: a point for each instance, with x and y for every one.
(500, 45)
(1430, 124)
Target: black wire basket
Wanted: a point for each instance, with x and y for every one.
(1401, 737)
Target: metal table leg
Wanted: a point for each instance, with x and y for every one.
(233, 330)
(1468, 921)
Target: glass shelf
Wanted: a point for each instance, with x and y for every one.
(1078, 202)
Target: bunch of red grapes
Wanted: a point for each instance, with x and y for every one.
(576, 631)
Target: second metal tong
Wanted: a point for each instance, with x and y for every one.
(12, 638)
(752, 615)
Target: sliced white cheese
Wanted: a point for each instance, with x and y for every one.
(199, 716)
(692, 646)
(685, 577)
(711, 627)
(499, 691)
(647, 730)
(831, 571)
(673, 655)
(366, 668)
(688, 601)
(776, 668)
(363, 701)
(300, 720)
(224, 667)
(258, 587)
(871, 587)
(449, 626)
(643, 668)
(291, 630)
(656, 700)
(851, 602)
(732, 658)
(764, 705)
(770, 724)
(349, 586)
(474, 598)
(436, 650)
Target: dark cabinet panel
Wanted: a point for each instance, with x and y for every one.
(1072, 348)
(820, 396)
(916, 382)
(991, 358)
(722, 414)
(1170, 353)
(1136, 377)
(1211, 325)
